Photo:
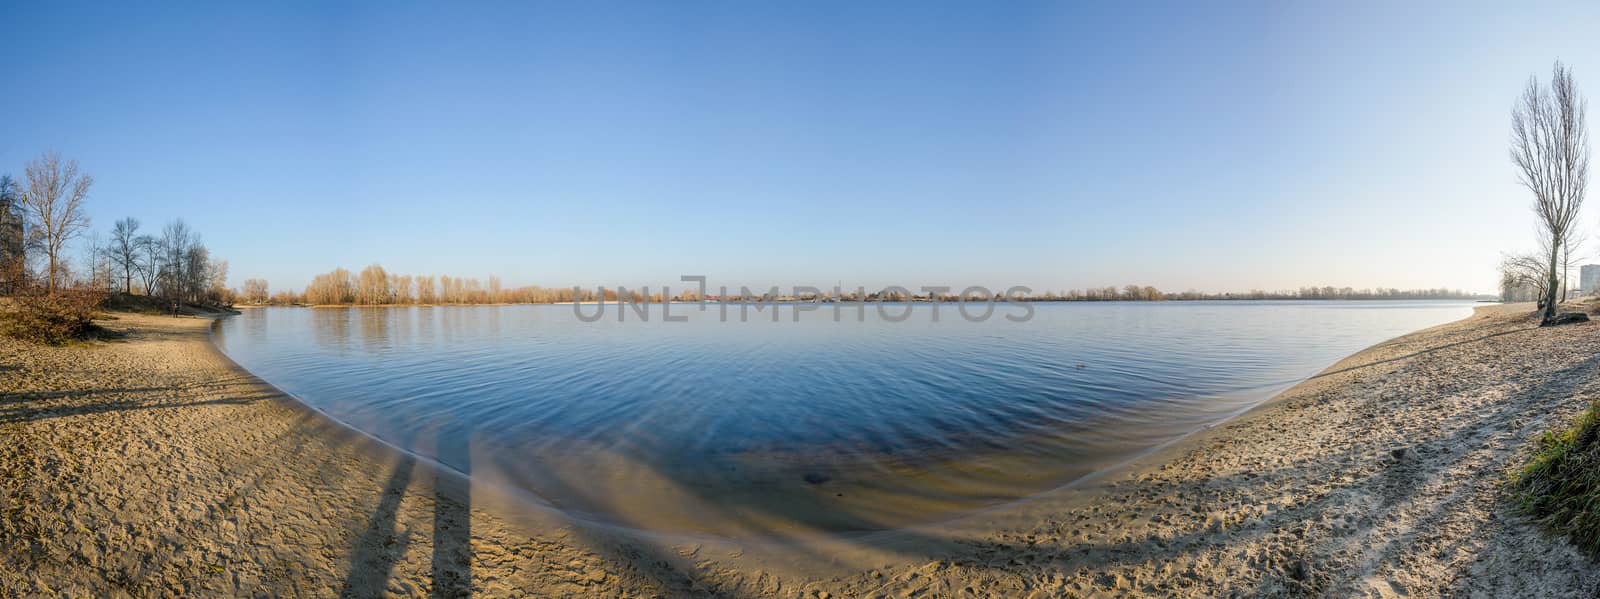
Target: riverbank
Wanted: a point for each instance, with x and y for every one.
(150, 465)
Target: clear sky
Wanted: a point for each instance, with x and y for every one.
(1182, 146)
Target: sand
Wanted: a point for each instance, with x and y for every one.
(151, 465)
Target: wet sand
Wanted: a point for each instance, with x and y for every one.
(152, 465)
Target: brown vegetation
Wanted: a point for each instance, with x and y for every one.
(255, 291)
(375, 286)
(42, 316)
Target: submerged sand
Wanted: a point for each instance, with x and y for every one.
(151, 465)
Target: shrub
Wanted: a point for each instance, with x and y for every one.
(57, 318)
(1560, 486)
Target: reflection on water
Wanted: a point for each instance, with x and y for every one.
(745, 428)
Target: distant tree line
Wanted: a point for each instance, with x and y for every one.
(375, 286)
(1145, 293)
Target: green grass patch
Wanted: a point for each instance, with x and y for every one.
(1560, 486)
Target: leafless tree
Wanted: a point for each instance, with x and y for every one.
(196, 277)
(1550, 147)
(97, 267)
(216, 280)
(53, 199)
(372, 286)
(173, 267)
(1571, 251)
(1524, 275)
(124, 249)
(255, 291)
(335, 287)
(426, 291)
(402, 287)
(148, 262)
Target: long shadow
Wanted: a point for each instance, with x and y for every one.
(376, 550)
(643, 558)
(1421, 352)
(54, 395)
(452, 516)
(371, 563)
(30, 414)
(45, 396)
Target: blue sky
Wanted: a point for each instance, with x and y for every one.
(1044, 144)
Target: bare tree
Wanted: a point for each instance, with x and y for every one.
(53, 200)
(426, 291)
(216, 280)
(1550, 146)
(96, 263)
(196, 274)
(124, 249)
(148, 262)
(174, 272)
(403, 287)
(1571, 251)
(336, 287)
(255, 291)
(1524, 275)
(372, 286)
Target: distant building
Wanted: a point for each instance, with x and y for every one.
(1589, 279)
(12, 256)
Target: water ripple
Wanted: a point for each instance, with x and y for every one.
(928, 418)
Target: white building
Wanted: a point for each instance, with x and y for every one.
(1589, 279)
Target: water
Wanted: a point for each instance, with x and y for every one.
(752, 428)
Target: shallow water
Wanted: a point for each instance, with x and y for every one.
(753, 428)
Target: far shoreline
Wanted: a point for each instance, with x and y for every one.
(791, 301)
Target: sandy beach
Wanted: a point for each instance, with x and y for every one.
(151, 465)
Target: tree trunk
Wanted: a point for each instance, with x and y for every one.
(1566, 269)
(1550, 289)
